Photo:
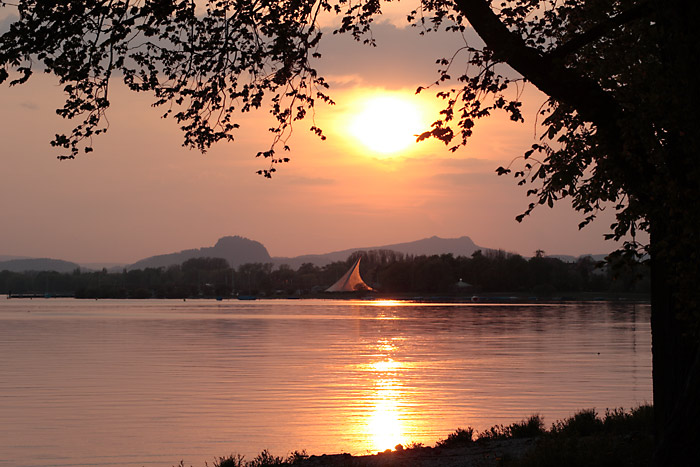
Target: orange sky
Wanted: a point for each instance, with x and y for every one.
(141, 194)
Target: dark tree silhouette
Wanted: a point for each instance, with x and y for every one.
(621, 129)
(201, 66)
(620, 123)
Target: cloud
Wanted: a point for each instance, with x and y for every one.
(344, 81)
(30, 105)
(451, 179)
(401, 58)
(308, 181)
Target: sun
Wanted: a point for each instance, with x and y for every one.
(386, 124)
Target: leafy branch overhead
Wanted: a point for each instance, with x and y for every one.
(202, 62)
(594, 60)
(205, 61)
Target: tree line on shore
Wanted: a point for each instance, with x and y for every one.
(386, 271)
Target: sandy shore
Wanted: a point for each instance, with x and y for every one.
(483, 453)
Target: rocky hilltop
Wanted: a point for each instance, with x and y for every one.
(38, 264)
(462, 246)
(240, 250)
(236, 250)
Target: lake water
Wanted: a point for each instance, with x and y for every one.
(154, 382)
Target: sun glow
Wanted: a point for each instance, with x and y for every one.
(385, 303)
(387, 124)
(387, 365)
(385, 425)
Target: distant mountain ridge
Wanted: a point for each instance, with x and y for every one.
(240, 250)
(10, 257)
(462, 246)
(38, 264)
(236, 250)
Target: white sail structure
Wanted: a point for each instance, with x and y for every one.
(351, 281)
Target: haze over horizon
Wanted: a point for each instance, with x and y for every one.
(141, 194)
(4, 257)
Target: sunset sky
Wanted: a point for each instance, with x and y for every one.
(140, 193)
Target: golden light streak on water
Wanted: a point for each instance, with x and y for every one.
(153, 382)
(388, 303)
(385, 424)
(384, 366)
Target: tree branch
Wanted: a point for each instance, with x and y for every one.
(599, 30)
(555, 80)
(563, 84)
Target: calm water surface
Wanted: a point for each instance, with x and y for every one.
(155, 382)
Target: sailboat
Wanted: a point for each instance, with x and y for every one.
(351, 281)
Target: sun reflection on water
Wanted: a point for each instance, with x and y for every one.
(384, 366)
(386, 303)
(386, 345)
(385, 424)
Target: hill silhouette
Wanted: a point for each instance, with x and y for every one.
(462, 246)
(9, 257)
(236, 250)
(240, 250)
(38, 264)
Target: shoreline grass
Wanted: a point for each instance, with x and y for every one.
(616, 438)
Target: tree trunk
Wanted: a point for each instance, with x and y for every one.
(676, 356)
(652, 156)
(674, 215)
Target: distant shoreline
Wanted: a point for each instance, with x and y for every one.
(486, 298)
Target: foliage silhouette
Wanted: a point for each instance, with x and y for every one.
(620, 123)
(392, 274)
(460, 437)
